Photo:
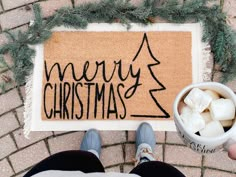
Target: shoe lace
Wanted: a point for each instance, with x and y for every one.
(144, 154)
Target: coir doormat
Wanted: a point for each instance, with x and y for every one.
(108, 78)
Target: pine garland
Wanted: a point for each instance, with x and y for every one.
(216, 31)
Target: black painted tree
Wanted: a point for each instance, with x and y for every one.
(149, 84)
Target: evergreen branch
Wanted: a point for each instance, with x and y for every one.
(37, 14)
(3, 63)
(216, 31)
(10, 36)
(222, 4)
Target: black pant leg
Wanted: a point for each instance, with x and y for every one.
(156, 169)
(69, 161)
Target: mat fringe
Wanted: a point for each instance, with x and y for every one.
(28, 105)
(207, 63)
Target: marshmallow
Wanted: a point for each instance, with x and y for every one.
(198, 100)
(212, 129)
(193, 121)
(180, 106)
(226, 123)
(207, 117)
(186, 109)
(214, 95)
(222, 109)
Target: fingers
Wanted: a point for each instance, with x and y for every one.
(232, 152)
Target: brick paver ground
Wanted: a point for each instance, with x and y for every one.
(18, 155)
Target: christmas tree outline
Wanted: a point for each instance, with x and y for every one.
(166, 114)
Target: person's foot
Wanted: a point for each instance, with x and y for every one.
(145, 143)
(91, 142)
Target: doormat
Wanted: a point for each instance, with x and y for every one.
(108, 78)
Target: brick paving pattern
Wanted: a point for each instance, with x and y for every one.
(18, 155)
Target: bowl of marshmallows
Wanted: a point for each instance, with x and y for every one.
(207, 113)
(204, 115)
